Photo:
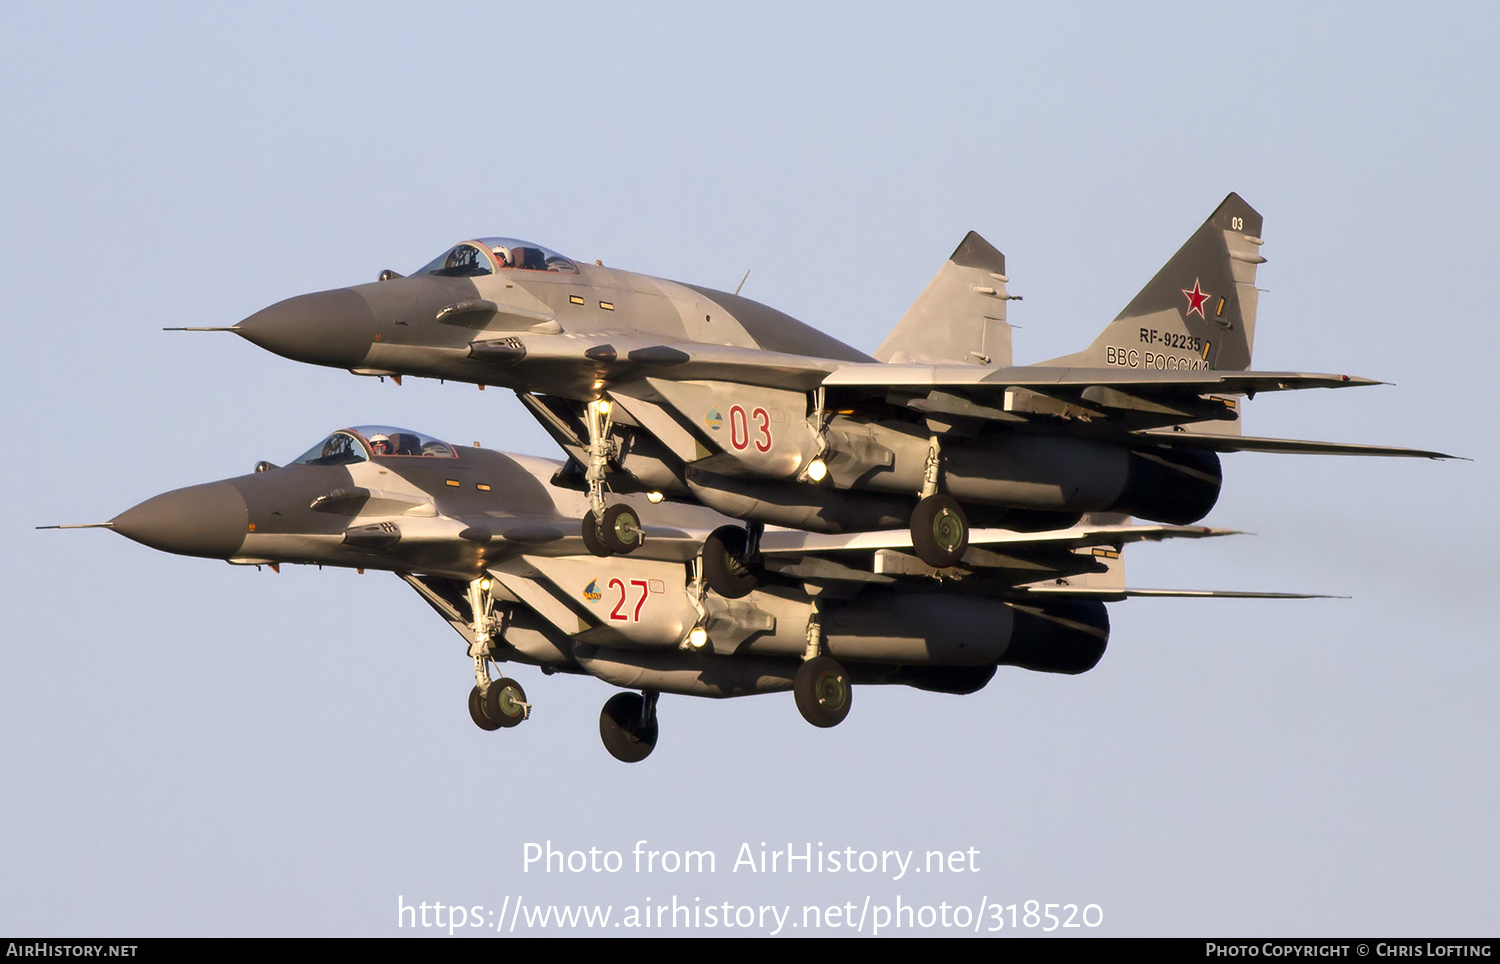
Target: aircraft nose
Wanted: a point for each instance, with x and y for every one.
(326, 328)
(200, 520)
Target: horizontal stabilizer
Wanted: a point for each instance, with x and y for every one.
(1107, 595)
(1241, 443)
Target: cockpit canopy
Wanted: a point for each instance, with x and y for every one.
(363, 442)
(488, 255)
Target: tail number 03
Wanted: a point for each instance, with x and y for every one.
(740, 431)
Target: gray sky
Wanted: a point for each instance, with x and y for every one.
(191, 748)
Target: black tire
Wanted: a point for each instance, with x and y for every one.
(621, 529)
(939, 531)
(823, 691)
(724, 567)
(477, 713)
(625, 737)
(505, 702)
(593, 539)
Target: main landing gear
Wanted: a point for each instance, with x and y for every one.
(821, 685)
(619, 532)
(627, 725)
(939, 528)
(823, 692)
(607, 529)
(493, 704)
(730, 560)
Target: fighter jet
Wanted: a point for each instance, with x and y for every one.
(493, 547)
(684, 392)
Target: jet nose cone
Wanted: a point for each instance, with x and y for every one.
(327, 328)
(201, 520)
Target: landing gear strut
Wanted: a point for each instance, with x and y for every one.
(939, 528)
(627, 725)
(493, 704)
(607, 529)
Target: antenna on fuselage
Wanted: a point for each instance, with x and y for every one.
(742, 281)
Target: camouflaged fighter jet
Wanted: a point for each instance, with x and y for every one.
(686, 392)
(495, 550)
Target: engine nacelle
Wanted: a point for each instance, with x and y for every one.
(1178, 487)
(931, 641)
(799, 505)
(1062, 637)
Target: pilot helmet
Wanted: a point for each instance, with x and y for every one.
(502, 254)
(381, 439)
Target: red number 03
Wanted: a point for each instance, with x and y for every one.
(739, 429)
(619, 613)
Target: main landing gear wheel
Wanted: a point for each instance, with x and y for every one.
(505, 702)
(593, 538)
(477, 713)
(627, 725)
(724, 566)
(823, 692)
(939, 531)
(621, 529)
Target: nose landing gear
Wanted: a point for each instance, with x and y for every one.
(607, 529)
(493, 704)
(619, 532)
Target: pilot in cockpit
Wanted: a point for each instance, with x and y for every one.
(528, 258)
(502, 255)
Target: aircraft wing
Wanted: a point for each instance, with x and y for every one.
(1039, 377)
(1131, 404)
(1081, 562)
(1082, 552)
(791, 541)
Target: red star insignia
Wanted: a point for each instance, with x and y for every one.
(1196, 298)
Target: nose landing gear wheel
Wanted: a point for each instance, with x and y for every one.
(477, 713)
(505, 702)
(939, 531)
(724, 567)
(593, 537)
(627, 728)
(621, 529)
(823, 692)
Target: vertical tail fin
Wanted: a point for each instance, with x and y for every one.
(1199, 310)
(960, 315)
